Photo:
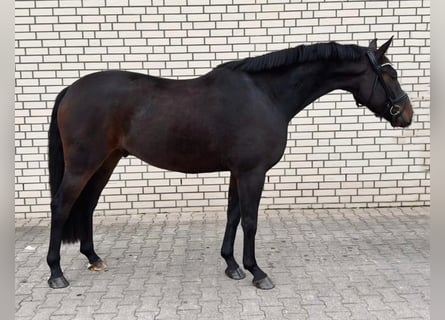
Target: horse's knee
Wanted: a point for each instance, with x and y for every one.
(249, 226)
(233, 220)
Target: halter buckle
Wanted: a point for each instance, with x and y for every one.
(395, 110)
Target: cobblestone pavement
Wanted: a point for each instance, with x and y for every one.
(326, 264)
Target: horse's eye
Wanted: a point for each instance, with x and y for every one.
(390, 71)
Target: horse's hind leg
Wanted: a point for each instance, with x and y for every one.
(85, 206)
(80, 166)
(233, 218)
(61, 205)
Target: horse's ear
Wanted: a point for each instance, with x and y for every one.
(373, 45)
(382, 50)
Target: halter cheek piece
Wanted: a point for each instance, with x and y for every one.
(392, 106)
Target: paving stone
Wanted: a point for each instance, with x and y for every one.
(272, 313)
(146, 315)
(357, 264)
(210, 310)
(230, 313)
(125, 312)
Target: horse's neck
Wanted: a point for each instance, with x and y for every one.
(296, 88)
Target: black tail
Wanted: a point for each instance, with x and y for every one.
(56, 164)
(75, 227)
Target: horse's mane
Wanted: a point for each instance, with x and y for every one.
(297, 55)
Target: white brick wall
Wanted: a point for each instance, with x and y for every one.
(337, 155)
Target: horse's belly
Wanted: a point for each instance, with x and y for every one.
(181, 157)
(186, 165)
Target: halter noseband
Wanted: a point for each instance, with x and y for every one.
(392, 103)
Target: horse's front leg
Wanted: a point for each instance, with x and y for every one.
(233, 270)
(250, 187)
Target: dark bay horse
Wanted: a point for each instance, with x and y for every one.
(233, 118)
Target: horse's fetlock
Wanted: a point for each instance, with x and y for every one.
(250, 265)
(226, 253)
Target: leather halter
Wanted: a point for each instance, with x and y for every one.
(392, 106)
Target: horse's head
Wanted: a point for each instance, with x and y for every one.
(379, 90)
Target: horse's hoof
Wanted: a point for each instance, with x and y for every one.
(97, 266)
(236, 274)
(58, 282)
(264, 284)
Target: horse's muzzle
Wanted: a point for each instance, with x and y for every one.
(405, 117)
